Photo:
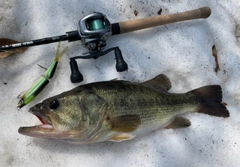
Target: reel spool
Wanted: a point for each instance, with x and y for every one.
(94, 30)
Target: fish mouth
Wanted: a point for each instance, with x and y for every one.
(44, 130)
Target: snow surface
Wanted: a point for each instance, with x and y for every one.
(182, 51)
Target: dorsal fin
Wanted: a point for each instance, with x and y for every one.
(160, 81)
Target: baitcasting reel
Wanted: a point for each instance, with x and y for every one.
(94, 30)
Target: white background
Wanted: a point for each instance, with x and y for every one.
(182, 51)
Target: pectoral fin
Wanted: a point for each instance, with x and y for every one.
(121, 137)
(114, 79)
(179, 122)
(125, 123)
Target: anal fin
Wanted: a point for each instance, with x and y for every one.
(179, 122)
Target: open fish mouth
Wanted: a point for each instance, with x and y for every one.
(44, 130)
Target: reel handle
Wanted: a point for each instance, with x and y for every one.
(121, 65)
(139, 24)
(76, 76)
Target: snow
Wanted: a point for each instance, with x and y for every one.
(182, 51)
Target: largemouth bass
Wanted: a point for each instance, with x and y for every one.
(120, 110)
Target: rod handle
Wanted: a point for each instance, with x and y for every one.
(139, 24)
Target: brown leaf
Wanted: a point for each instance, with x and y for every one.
(214, 53)
(225, 104)
(160, 11)
(135, 12)
(6, 41)
(237, 33)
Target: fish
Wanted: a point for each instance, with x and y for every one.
(120, 110)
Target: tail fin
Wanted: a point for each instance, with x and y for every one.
(211, 100)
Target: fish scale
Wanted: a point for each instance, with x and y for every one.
(144, 101)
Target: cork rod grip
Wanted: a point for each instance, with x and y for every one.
(134, 25)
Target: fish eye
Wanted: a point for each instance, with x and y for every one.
(54, 104)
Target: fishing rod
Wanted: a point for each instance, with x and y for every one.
(94, 30)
